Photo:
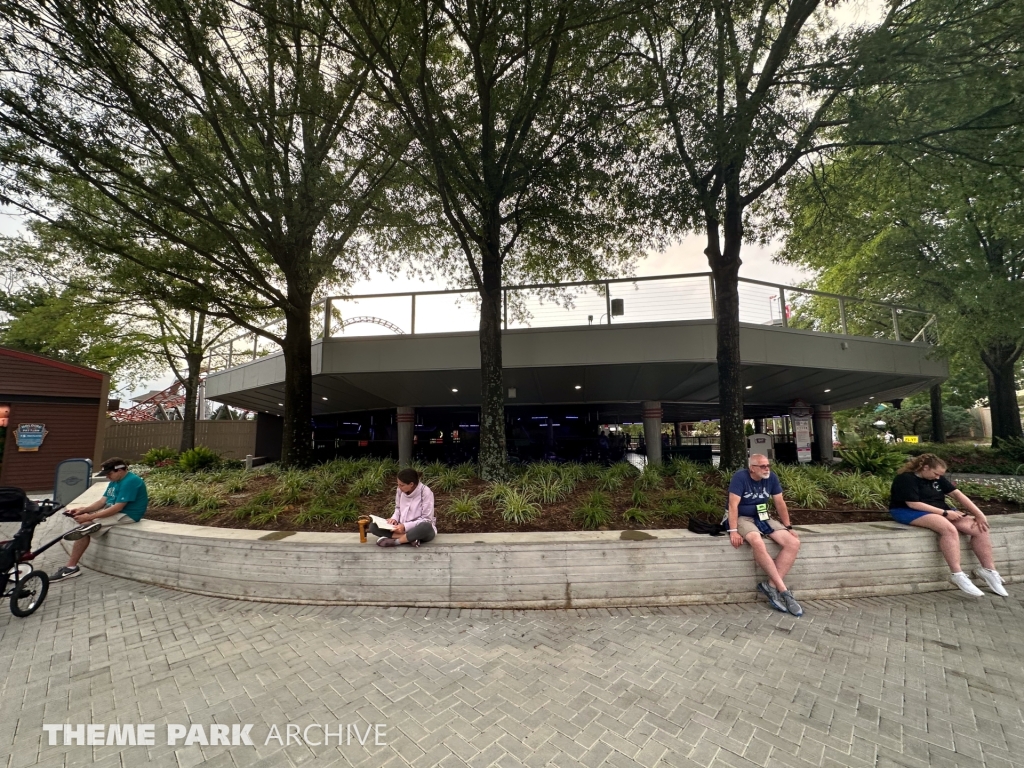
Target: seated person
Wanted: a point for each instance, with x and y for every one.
(414, 519)
(918, 498)
(749, 492)
(124, 501)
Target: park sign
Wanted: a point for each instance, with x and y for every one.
(910, 439)
(29, 437)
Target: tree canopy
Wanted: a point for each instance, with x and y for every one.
(515, 157)
(239, 134)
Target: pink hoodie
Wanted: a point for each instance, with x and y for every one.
(415, 507)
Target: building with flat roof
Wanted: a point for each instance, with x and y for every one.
(609, 352)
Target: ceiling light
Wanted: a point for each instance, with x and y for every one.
(281, 404)
(323, 398)
(871, 398)
(578, 387)
(828, 390)
(454, 389)
(749, 386)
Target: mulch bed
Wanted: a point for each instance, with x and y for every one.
(555, 517)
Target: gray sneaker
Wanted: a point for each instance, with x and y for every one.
(791, 604)
(82, 531)
(65, 573)
(774, 598)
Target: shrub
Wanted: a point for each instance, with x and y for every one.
(449, 479)
(292, 485)
(236, 482)
(864, 491)
(675, 509)
(463, 507)
(686, 474)
(159, 457)
(497, 492)
(371, 482)
(595, 511)
(967, 457)
(337, 510)
(256, 506)
(637, 516)
(432, 470)
(198, 458)
(268, 516)
(981, 491)
(1011, 448)
(549, 489)
(623, 469)
(467, 470)
(207, 503)
(874, 456)
(518, 507)
(639, 497)
(802, 490)
(608, 481)
(649, 480)
(172, 491)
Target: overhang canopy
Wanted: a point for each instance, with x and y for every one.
(672, 362)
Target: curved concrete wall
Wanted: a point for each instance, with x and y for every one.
(591, 569)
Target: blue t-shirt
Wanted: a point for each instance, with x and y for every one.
(131, 490)
(753, 492)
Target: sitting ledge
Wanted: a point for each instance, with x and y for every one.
(599, 569)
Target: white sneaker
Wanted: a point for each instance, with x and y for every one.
(993, 579)
(963, 581)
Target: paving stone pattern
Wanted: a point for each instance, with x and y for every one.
(929, 680)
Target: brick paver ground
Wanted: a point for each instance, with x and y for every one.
(929, 680)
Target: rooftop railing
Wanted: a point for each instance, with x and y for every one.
(621, 301)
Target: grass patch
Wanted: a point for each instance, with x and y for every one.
(595, 511)
(464, 507)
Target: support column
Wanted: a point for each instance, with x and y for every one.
(652, 430)
(678, 433)
(406, 419)
(823, 431)
(759, 426)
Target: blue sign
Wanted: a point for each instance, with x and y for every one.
(29, 437)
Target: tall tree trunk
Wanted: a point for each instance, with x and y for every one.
(492, 386)
(194, 363)
(725, 267)
(938, 425)
(297, 435)
(1000, 361)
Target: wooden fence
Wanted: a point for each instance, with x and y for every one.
(231, 439)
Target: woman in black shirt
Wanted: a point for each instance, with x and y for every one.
(918, 498)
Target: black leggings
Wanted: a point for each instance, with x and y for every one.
(422, 532)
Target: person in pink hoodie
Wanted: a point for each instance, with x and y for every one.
(414, 519)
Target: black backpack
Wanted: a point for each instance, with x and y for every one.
(703, 526)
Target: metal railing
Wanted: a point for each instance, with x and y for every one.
(629, 300)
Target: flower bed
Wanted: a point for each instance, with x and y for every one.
(536, 497)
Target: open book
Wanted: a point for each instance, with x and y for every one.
(382, 523)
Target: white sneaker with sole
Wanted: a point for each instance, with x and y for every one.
(993, 579)
(963, 581)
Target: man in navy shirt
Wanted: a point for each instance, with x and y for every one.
(749, 493)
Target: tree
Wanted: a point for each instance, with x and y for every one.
(746, 92)
(238, 133)
(42, 314)
(514, 148)
(924, 230)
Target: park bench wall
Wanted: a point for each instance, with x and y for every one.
(539, 570)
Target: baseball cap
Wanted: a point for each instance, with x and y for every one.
(111, 465)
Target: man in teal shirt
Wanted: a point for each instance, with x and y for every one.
(124, 501)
